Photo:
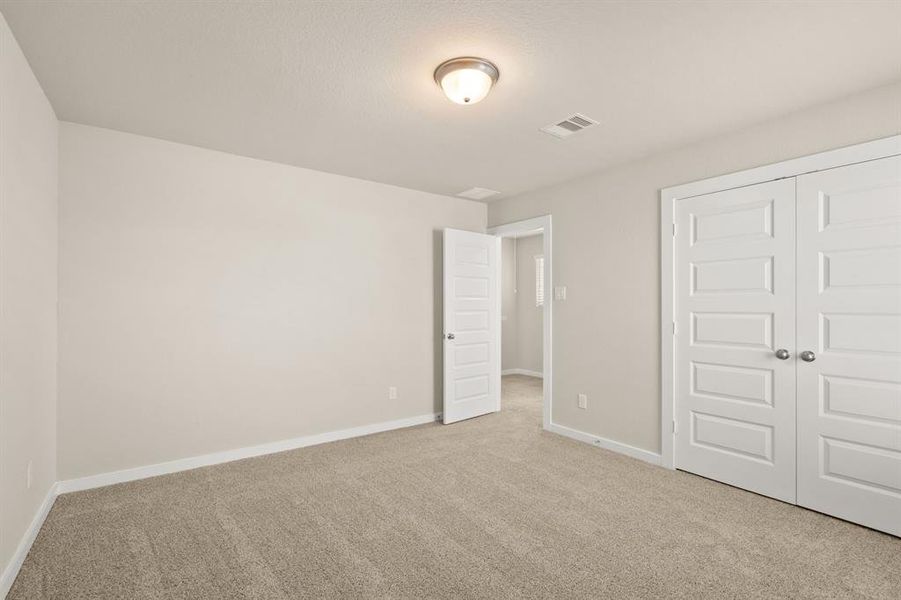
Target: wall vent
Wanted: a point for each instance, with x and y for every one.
(569, 126)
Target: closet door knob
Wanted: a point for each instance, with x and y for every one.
(783, 354)
(808, 356)
(450, 336)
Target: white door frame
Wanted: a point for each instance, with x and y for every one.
(544, 225)
(831, 159)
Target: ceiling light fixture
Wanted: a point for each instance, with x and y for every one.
(466, 80)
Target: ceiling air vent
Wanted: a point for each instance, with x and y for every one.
(478, 193)
(569, 126)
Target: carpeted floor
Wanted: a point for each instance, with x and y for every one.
(487, 508)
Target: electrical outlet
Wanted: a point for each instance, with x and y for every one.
(583, 401)
(560, 292)
(28, 476)
(392, 393)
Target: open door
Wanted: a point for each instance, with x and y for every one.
(472, 332)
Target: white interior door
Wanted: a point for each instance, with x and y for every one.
(849, 318)
(472, 334)
(735, 307)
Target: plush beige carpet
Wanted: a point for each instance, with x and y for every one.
(487, 508)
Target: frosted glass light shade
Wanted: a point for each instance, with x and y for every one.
(466, 80)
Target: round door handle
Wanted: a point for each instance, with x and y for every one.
(783, 354)
(451, 336)
(807, 356)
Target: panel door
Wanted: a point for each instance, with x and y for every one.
(472, 335)
(735, 307)
(849, 317)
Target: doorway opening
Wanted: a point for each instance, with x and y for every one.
(522, 312)
(526, 296)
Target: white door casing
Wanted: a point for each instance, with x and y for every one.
(472, 349)
(734, 307)
(849, 316)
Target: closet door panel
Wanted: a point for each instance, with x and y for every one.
(735, 306)
(849, 317)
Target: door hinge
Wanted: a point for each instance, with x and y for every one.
(674, 328)
(674, 230)
(674, 426)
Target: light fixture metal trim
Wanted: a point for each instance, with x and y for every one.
(467, 62)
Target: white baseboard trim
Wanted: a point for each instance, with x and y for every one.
(537, 374)
(186, 464)
(645, 455)
(12, 569)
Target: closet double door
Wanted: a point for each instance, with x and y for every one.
(788, 340)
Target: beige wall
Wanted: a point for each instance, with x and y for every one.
(521, 335)
(529, 317)
(509, 346)
(210, 302)
(606, 251)
(28, 250)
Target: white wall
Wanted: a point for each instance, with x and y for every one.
(210, 301)
(28, 251)
(606, 251)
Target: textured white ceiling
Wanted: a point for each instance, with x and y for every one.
(346, 87)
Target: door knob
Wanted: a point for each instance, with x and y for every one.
(808, 356)
(783, 354)
(450, 336)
